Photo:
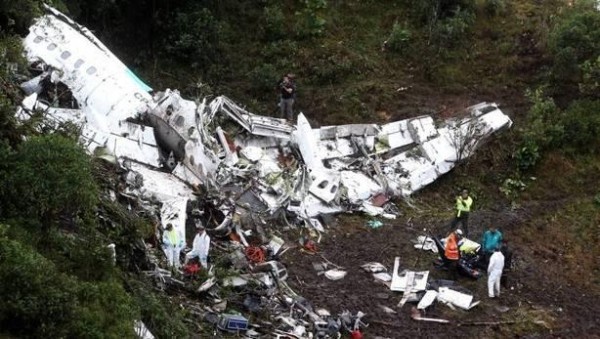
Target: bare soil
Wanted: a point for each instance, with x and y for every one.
(539, 303)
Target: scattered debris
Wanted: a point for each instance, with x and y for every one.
(425, 243)
(406, 280)
(456, 298)
(142, 331)
(387, 310)
(244, 177)
(335, 274)
(427, 299)
(232, 323)
(415, 314)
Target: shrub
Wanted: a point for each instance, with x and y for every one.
(581, 121)
(527, 156)
(451, 31)
(274, 26)
(590, 83)
(574, 40)
(399, 39)
(36, 300)
(50, 176)
(512, 187)
(544, 128)
(194, 39)
(494, 7)
(311, 22)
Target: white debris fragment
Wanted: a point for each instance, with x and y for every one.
(408, 281)
(459, 299)
(427, 299)
(374, 267)
(425, 243)
(142, 331)
(335, 274)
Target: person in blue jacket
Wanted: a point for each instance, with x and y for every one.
(492, 239)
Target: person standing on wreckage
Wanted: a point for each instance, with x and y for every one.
(494, 272)
(200, 246)
(287, 95)
(172, 245)
(463, 208)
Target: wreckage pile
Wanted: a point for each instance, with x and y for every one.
(243, 172)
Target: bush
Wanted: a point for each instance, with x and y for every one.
(162, 317)
(195, 34)
(264, 80)
(574, 40)
(494, 7)
(527, 156)
(310, 23)
(581, 121)
(590, 83)
(274, 26)
(50, 176)
(544, 128)
(451, 31)
(399, 39)
(36, 300)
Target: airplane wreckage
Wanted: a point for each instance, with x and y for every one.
(247, 167)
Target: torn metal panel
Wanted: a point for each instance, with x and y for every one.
(120, 146)
(427, 299)
(395, 135)
(255, 124)
(400, 280)
(359, 187)
(422, 129)
(459, 299)
(307, 143)
(142, 331)
(325, 184)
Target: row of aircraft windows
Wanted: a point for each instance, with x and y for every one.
(66, 55)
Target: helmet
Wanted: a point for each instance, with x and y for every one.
(459, 232)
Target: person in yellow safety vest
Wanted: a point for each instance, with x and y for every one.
(172, 245)
(452, 252)
(463, 208)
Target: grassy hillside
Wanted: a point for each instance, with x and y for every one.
(355, 61)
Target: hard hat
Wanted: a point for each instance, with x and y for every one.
(459, 231)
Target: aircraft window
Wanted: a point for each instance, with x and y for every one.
(51, 47)
(179, 121)
(323, 184)
(78, 63)
(91, 70)
(38, 39)
(65, 55)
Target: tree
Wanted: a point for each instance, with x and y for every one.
(37, 300)
(573, 41)
(50, 176)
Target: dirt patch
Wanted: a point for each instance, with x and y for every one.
(539, 303)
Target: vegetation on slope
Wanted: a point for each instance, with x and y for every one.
(356, 61)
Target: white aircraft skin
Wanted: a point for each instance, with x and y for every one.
(123, 116)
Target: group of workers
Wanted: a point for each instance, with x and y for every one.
(492, 245)
(173, 243)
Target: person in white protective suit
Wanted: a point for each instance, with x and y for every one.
(200, 246)
(172, 245)
(494, 271)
